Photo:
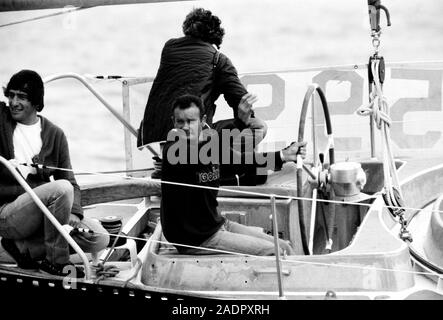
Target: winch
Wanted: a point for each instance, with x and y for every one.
(347, 179)
(343, 181)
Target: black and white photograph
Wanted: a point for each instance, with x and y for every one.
(220, 159)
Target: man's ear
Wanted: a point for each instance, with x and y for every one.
(203, 121)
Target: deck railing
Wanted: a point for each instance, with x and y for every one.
(49, 216)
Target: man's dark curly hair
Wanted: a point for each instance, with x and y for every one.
(202, 24)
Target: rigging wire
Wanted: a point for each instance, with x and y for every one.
(286, 260)
(244, 192)
(255, 194)
(414, 254)
(114, 171)
(65, 11)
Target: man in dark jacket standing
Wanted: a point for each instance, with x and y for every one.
(192, 65)
(27, 138)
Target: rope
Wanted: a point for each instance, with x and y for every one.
(102, 272)
(138, 266)
(108, 271)
(244, 192)
(377, 106)
(373, 108)
(379, 109)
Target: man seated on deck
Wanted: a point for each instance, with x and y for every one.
(28, 138)
(189, 214)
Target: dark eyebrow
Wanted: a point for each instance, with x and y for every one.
(17, 91)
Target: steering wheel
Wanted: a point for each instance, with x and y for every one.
(308, 244)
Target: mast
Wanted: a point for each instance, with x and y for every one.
(19, 5)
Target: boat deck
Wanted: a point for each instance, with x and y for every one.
(414, 166)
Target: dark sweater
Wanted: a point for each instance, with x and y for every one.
(186, 67)
(244, 173)
(54, 153)
(189, 215)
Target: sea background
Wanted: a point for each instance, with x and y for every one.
(260, 35)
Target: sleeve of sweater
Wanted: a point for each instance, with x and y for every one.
(65, 162)
(9, 187)
(229, 83)
(241, 149)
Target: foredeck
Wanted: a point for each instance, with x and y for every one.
(416, 165)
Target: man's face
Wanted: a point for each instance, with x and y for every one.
(21, 108)
(189, 121)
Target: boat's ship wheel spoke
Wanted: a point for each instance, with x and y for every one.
(318, 175)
